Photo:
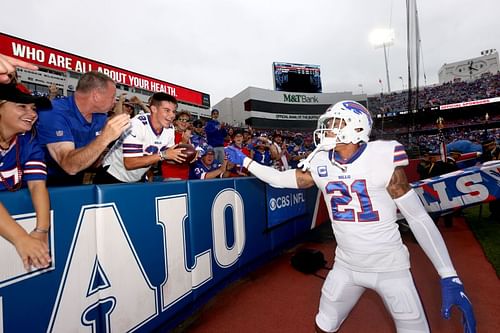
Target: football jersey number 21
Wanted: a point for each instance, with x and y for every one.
(342, 195)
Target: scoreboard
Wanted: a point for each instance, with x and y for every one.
(297, 77)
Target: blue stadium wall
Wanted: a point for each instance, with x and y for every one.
(138, 257)
(143, 257)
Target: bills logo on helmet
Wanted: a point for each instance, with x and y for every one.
(358, 109)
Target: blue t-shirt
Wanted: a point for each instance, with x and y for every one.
(64, 122)
(198, 169)
(24, 158)
(262, 158)
(215, 134)
(198, 140)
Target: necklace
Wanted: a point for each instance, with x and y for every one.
(16, 186)
(5, 143)
(5, 147)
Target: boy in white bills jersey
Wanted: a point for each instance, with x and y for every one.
(363, 184)
(149, 139)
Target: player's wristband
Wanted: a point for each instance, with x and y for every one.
(41, 230)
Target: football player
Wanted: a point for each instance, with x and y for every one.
(363, 184)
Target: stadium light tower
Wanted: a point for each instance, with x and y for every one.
(361, 86)
(383, 38)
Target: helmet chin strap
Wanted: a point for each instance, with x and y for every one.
(338, 165)
(329, 143)
(305, 164)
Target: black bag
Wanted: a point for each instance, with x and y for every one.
(308, 261)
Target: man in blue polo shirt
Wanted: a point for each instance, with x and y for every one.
(77, 132)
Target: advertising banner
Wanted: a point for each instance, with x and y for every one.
(284, 204)
(136, 257)
(62, 61)
(461, 188)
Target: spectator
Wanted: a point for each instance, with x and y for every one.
(437, 168)
(247, 138)
(308, 145)
(490, 150)
(229, 136)
(216, 133)
(207, 167)
(149, 140)
(136, 101)
(53, 91)
(123, 105)
(296, 151)
(21, 164)
(198, 138)
(237, 142)
(435, 95)
(281, 159)
(261, 153)
(455, 155)
(177, 171)
(76, 132)
(424, 165)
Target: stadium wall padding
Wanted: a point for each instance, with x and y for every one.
(143, 257)
(137, 257)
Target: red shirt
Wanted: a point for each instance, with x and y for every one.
(243, 149)
(174, 170)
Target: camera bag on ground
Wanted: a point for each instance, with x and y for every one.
(308, 261)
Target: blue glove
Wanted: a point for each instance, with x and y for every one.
(454, 294)
(234, 155)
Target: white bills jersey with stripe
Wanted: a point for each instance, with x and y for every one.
(139, 140)
(362, 212)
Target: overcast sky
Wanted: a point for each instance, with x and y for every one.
(220, 47)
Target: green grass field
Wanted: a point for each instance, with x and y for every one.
(486, 231)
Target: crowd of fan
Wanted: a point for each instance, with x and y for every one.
(487, 86)
(283, 148)
(90, 137)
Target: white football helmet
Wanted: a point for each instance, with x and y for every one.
(348, 121)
